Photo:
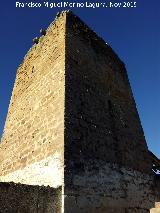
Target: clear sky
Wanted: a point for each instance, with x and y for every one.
(134, 34)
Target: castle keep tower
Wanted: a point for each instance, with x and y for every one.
(72, 122)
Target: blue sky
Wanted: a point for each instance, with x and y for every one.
(134, 33)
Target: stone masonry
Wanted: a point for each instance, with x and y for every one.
(32, 143)
(72, 122)
(20, 198)
(107, 166)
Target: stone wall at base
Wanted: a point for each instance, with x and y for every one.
(111, 189)
(20, 198)
(157, 187)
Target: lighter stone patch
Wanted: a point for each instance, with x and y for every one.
(112, 186)
(45, 172)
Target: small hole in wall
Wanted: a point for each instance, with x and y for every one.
(32, 69)
(109, 105)
(125, 125)
(75, 61)
(79, 166)
(44, 140)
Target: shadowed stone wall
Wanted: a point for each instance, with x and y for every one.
(156, 192)
(157, 187)
(21, 198)
(107, 165)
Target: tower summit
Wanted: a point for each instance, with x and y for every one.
(73, 122)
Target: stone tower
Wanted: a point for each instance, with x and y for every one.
(72, 122)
